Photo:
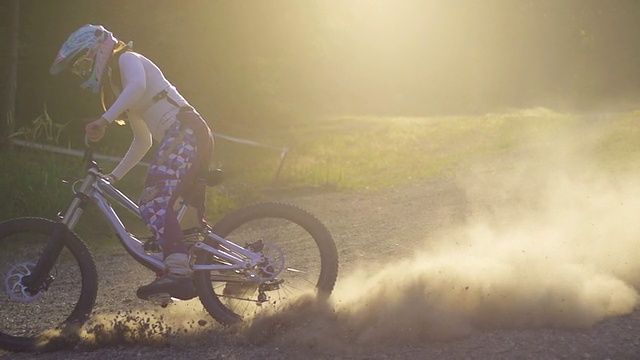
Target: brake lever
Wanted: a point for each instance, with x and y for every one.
(88, 152)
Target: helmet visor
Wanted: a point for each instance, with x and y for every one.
(62, 62)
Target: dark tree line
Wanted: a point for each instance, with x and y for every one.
(10, 14)
(250, 63)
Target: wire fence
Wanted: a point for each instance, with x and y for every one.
(78, 153)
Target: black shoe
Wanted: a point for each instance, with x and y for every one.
(179, 287)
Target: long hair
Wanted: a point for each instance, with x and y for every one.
(113, 84)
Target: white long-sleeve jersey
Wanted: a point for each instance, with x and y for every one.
(141, 81)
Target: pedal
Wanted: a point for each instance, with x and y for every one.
(162, 299)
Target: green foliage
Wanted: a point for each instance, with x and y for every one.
(30, 184)
(39, 183)
(266, 61)
(372, 152)
(345, 152)
(619, 147)
(30, 179)
(42, 130)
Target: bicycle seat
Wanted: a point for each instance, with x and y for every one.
(213, 177)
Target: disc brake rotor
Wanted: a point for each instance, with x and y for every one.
(274, 262)
(13, 283)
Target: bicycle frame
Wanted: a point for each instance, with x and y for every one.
(95, 188)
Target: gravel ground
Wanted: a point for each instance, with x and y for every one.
(394, 299)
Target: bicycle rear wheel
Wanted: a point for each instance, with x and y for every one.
(48, 317)
(307, 253)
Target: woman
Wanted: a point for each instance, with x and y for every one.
(134, 87)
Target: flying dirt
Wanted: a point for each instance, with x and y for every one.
(548, 240)
(532, 253)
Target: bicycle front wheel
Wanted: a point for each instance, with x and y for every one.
(48, 316)
(306, 256)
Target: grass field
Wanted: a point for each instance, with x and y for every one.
(348, 152)
(371, 152)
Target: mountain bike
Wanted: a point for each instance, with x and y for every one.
(259, 256)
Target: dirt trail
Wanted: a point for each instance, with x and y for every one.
(528, 259)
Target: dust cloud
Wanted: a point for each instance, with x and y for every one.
(550, 240)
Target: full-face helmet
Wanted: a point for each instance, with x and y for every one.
(86, 53)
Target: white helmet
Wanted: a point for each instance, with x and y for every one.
(86, 53)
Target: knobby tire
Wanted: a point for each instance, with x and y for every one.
(68, 329)
(210, 297)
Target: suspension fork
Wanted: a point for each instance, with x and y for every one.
(40, 275)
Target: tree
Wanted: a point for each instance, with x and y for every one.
(11, 63)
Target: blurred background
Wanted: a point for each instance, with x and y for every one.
(255, 63)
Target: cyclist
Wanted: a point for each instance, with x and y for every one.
(133, 87)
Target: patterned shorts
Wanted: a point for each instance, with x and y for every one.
(174, 158)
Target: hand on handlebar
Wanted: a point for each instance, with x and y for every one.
(95, 130)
